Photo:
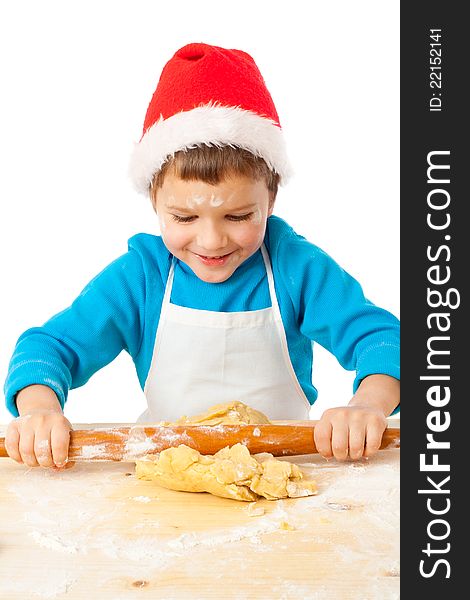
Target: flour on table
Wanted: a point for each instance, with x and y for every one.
(75, 516)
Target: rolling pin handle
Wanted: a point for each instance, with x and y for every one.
(3, 450)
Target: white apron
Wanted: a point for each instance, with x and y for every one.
(202, 358)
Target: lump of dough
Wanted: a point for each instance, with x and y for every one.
(231, 473)
(229, 413)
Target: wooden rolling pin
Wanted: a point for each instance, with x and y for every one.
(131, 443)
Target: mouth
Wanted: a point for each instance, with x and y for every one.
(215, 261)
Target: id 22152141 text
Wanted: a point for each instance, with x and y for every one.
(435, 70)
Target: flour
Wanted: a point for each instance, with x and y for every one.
(214, 201)
(346, 495)
(268, 524)
(254, 511)
(134, 449)
(55, 524)
(93, 451)
(139, 445)
(43, 446)
(68, 529)
(76, 516)
(366, 493)
(53, 542)
(194, 200)
(145, 549)
(257, 217)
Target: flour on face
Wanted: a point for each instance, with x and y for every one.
(257, 216)
(215, 201)
(162, 223)
(194, 200)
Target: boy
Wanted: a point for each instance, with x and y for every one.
(225, 304)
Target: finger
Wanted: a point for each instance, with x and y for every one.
(42, 447)
(373, 439)
(340, 441)
(60, 440)
(12, 440)
(357, 440)
(322, 438)
(26, 448)
(68, 465)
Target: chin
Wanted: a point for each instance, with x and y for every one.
(213, 277)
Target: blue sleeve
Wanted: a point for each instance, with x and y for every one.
(69, 348)
(333, 311)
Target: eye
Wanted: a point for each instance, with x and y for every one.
(239, 217)
(179, 219)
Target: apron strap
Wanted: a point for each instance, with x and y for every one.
(272, 290)
(168, 288)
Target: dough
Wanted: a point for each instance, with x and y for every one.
(231, 413)
(231, 472)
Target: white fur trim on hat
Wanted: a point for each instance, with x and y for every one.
(211, 125)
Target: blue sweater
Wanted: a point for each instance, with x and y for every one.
(120, 308)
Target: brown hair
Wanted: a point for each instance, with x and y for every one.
(212, 165)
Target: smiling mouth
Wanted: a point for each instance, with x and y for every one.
(210, 257)
(215, 261)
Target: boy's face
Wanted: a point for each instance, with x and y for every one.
(213, 228)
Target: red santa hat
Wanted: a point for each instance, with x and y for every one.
(213, 96)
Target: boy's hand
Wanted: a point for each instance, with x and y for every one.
(349, 431)
(356, 430)
(40, 436)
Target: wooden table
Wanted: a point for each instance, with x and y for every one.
(95, 531)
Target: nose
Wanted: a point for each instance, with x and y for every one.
(211, 236)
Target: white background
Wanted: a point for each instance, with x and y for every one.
(76, 79)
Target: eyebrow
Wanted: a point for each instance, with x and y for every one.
(190, 210)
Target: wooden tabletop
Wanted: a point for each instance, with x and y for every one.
(95, 531)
